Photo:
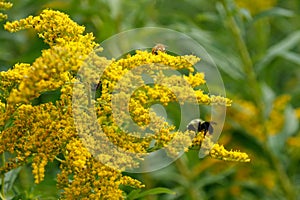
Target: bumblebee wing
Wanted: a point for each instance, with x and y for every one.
(192, 127)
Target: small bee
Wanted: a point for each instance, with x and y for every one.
(199, 125)
(158, 47)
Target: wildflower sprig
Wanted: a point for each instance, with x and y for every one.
(166, 89)
(38, 134)
(68, 49)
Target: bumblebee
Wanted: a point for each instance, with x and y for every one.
(199, 125)
(157, 48)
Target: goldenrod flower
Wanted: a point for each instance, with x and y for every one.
(219, 152)
(4, 6)
(42, 132)
(68, 49)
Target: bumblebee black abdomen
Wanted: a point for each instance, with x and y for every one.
(199, 125)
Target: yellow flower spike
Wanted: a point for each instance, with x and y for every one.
(50, 26)
(38, 168)
(195, 80)
(4, 6)
(220, 100)
(13, 76)
(219, 152)
(3, 16)
(127, 180)
(198, 139)
(202, 98)
(205, 142)
(68, 50)
(177, 143)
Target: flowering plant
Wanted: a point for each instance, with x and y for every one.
(39, 133)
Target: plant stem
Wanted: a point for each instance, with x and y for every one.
(2, 197)
(245, 57)
(58, 159)
(2, 194)
(147, 180)
(186, 172)
(282, 176)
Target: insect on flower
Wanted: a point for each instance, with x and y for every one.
(199, 125)
(157, 48)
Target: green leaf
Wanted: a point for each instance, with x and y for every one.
(133, 194)
(275, 12)
(268, 96)
(291, 56)
(291, 123)
(8, 123)
(137, 194)
(278, 49)
(216, 178)
(278, 142)
(10, 178)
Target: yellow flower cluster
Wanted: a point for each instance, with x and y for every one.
(219, 152)
(164, 90)
(256, 6)
(77, 154)
(54, 27)
(197, 140)
(216, 150)
(91, 179)
(181, 142)
(4, 6)
(247, 114)
(68, 49)
(40, 133)
(38, 168)
(118, 77)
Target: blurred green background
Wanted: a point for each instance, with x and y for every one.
(256, 46)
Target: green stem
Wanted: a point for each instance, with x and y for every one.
(147, 180)
(2, 197)
(245, 57)
(2, 194)
(282, 176)
(186, 172)
(58, 159)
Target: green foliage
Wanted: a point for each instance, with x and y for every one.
(258, 57)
